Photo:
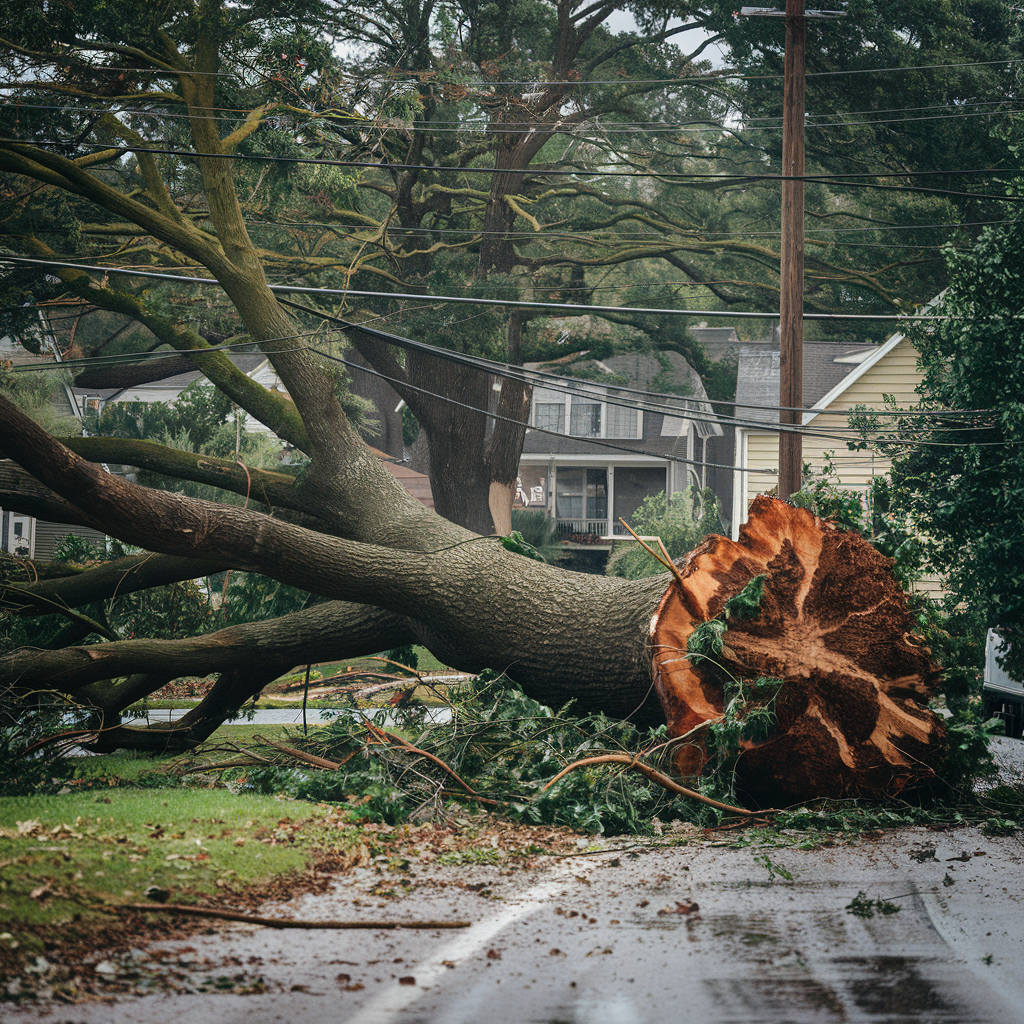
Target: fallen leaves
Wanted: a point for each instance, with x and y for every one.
(686, 907)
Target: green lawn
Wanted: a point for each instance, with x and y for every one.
(65, 856)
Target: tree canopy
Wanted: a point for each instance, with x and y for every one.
(963, 486)
(513, 151)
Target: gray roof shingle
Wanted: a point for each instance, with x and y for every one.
(757, 377)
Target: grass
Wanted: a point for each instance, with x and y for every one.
(65, 856)
(121, 825)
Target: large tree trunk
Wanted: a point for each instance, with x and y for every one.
(832, 624)
(474, 435)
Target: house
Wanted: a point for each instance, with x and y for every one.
(252, 364)
(596, 448)
(22, 535)
(836, 378)
(1004, 696)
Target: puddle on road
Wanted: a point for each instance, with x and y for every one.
(778, 998)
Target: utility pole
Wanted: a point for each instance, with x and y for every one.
(791, 283)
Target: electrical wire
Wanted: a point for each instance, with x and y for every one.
(534, 378)
(694, 126)
(472, 300)
(332, 113)
(555, 383)
(564, 233)
(837, 180)
(420, 75)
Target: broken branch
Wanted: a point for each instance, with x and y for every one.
(665, 558)
(405, 745)
(285, 922)
(301, 755)
(655, 776)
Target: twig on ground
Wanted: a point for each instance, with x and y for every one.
(479, 799)
(283, 922)
(318, 762)
(655, 776)
(216, 767)
(407, 746)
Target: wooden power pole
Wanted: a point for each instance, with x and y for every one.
(791, 284)
(791, 287)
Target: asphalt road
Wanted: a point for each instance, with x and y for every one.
(703, 933)
(615, 938)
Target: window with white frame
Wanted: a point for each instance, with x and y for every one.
(584, 417)
(584, 414)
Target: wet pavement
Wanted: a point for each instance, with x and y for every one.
(706, 931)
(700, 933)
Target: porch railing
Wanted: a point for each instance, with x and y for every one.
(594, 526)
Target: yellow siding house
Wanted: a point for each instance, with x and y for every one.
(836, 379)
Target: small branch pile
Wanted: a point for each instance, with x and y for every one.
(499, 750)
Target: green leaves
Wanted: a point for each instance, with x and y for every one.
(681, 521)
(707, 639)
(515, 542)
(964, 486)
(747, 603)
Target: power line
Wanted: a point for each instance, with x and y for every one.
(535, 83)
(564, 233)
(555, 382)
(694, 126)
(539, 378)
(821, 179)
(599, 441)
(286, 289)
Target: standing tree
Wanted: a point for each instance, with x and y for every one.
(962, 482)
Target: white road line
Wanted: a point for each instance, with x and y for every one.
(384, 1008)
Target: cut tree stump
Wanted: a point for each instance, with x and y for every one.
(833, 625)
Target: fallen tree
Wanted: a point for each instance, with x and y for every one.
(853, 685)
(830, 623)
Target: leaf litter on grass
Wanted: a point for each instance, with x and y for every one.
(80, 943)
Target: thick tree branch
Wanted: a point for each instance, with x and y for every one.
(268, 488)
(325, 632)
(121, 576)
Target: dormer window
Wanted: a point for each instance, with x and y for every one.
(587, 414)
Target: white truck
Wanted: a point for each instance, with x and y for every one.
(1004, 697)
